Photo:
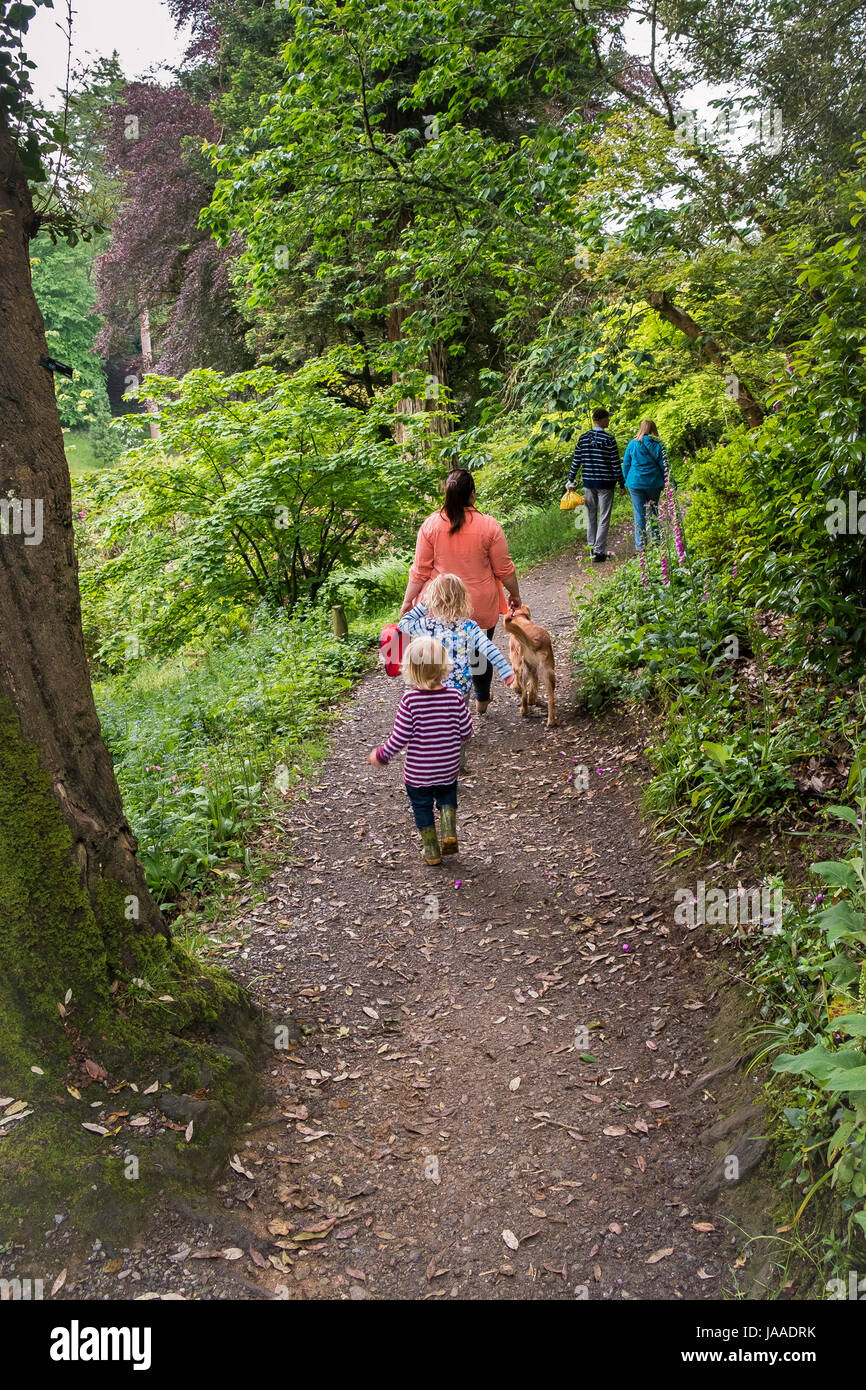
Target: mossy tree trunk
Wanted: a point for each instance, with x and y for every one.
(75, 909)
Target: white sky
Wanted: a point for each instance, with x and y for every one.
(141, 30)
(638, 37)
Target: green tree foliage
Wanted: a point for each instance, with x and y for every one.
(257, 487)
(806, 57)
(63, 285)
(410, 182)
(38, 135)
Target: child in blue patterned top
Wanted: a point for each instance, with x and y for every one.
(444, 614)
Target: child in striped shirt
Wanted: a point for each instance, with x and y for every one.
(432, 723)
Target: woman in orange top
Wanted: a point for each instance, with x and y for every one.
(463, 541)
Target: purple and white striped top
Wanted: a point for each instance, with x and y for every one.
(432, 726)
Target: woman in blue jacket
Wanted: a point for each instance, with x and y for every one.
(643, 468)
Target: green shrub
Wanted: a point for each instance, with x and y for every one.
(370, 591)
(195, 740)
(520, 468)
(811, 978)
(258, 488)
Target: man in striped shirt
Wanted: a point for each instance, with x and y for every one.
(432, 723)
(597, 455)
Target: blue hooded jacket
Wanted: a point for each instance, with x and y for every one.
(644, 463)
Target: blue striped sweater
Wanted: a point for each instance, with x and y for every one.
(597, 455)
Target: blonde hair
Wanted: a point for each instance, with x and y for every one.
(425, 663)
(447, 598)
(647, 427)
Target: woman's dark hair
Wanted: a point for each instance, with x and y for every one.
(459, 488)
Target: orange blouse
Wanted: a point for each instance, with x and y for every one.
(477, 554)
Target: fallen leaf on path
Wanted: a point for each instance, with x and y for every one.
(314, 1232)
(238, 1167)
(660, 1255)
(58, 1282)
(703, 1226)
(511, 1240)
(613, 1131)
(232, 1252)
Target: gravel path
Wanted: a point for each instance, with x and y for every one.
(438, 1125)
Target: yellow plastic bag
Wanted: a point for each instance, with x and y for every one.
(570, 501)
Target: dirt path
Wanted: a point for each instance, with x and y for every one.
(436, 1098)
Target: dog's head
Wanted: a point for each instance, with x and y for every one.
(521, 611)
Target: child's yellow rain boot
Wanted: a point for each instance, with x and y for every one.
(430, 841)
(448, 826)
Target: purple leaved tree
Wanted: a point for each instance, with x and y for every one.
(163, 283)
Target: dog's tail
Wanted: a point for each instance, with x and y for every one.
(514, 628)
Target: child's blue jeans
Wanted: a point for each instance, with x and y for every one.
(424, 798)
(644, 501)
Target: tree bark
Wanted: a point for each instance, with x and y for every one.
(147, 364)
(438, 365)
(91, 989)
(658, 300)
(437, 370)
(44, 678)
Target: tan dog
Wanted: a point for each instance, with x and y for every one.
(530, 652)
